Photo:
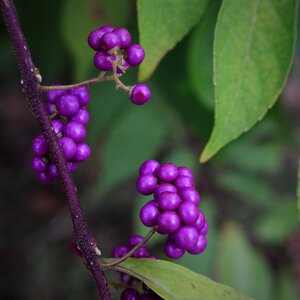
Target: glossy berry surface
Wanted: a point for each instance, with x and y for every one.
(82, 95)
(135, 55)
(140, 94)
(109, 41)
(182, 182)
(168, 222)
(186, 237)
(146, 184)
(68, 146)
(200, 245)
(164, 187)
(95, 36)
(102, 61)
(68, 105)
(82, 152)
(149, 167)
(81, 117)
(39, 146)
(38, 164)
(119, 251)
(188, 213)
(189, 194)
(167, 172)
(149, 214)
(130, 294)
(124, 37)
(172, 250)
(75, 131)
(168, 201)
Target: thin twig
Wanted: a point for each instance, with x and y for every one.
(129, 253)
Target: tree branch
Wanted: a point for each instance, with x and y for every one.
(30, 79)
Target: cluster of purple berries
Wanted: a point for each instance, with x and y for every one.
(131, 293)
(113, 46)
(174, 208)
(67, 109)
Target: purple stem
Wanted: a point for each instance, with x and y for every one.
(29, 81)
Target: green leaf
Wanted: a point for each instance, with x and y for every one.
(278, 224)
(253, 50)
(287, 287)
(162, 24)
(240, 266)
(79, 18)
(200, 56)
(171, 281)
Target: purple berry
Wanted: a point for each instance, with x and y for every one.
(52, 171)
(140, 94)
(119, 251)
(130, 294)
(135, 54)
(68, 146)
(68, 105)
(182, 182)
(109, 41)
(71, 166)
(184, 171)
(125, 67)
(168, 222)
(204, 229)
(168, 201)
(82, 94)
(149, 167)
(146, 184)
(95, 36)
(140, 253)
(57, 126)
(39, 165)
(188, 213)
(53, 95)
(164, 187)
(200, 246)
(39, 146)
(124, 36)
(167, 172)
(102, 61)
(189, 194)
(44, 178)
(51, 109)
(186, 237)
(149, 214)
(75, 131)
(199, 224)
(82, 153)
(82, 117)
(124, 278)
(172, 250)
(134, 240)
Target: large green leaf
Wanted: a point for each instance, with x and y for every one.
(162, 24)
(240, 266)
(79, 18)
(254, 45)
(200, 56)
(174, 282)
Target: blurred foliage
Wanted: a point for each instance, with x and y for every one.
(247, 190)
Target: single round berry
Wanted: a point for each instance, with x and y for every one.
(109, 41)
(188, 213)
(146, 184)
(140, 253)
(167, 172)
(102, 61)
(51, 109)
(68, 146)
(81, 117)
(57, 126)
(182, 182)
(38, 164)
(199, 224)
(53, 95)
(134, 240)
(52, 171)
(39, 146)
(119, 251)
(82, 153)
(75, 131)
(168, 201)
(149, 167)
(149, 214)
(164, 187)
(168, 222)
(186, 237)
(172, 250)
(135, 54)
(204, 229)
(124, 36)
(140, 94)
(72, 166)
(124, 278)
(82, 94)
(130, 294)
(184, 171)
(95, 36)
(189, 194)
(68, 105)
(44, 178)
(200, 246)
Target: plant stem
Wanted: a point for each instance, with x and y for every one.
(129, 253)
(30, 78)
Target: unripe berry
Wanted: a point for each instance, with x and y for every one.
(149, 214)
(172, 250)
(167, 172)
(68, 146)
(102, 61)
(82, 153)
(186, 237)
(135, 54)
(124, 36)
(164, 187)
(140, 94)
(168, 201)
(68, 105)
(39, 146)
(109, 41)
(75, 131)
(168, 222)
(189, 194)
(200, 246)
(188, 213)
(149, 167)
(146, 184)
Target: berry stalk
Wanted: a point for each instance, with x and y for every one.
(30, 79)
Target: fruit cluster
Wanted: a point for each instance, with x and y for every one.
(114, 52)
(174, 208)
(67, 110)
(131, 293)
